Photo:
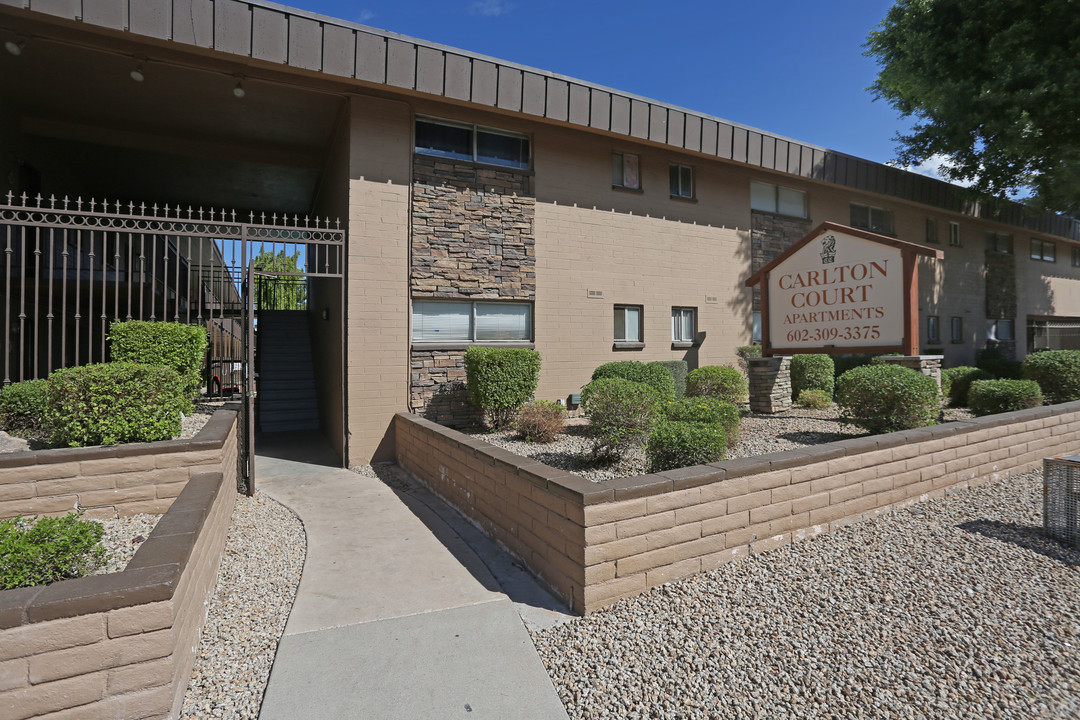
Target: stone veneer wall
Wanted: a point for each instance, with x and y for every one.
(123, 645)
(595, 543)
(770, 235)
(472, 238)
(1001, 295)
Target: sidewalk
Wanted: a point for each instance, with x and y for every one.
(404, 609)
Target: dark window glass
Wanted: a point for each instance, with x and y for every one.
(444, 140)
(500, 149)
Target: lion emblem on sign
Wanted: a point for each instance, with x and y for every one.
(828, 249)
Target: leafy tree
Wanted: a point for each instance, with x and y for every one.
(995, 88)
(281, 292)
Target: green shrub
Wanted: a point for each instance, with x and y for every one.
(705, 410)
(48, 550)
(814, 399)
(886, 398)
(675, 444)
(114, 403)
(880, 359)
(811, 372)
(678, 370)
(621, 414)
(994, 361)
(654, 374)
(989, 397)
(500, 380)
(956, 381)
(745, 353)
(843, 363)
(540, 421)
(717, 381)
(1057, 372)
(172, 345)
(22, 405)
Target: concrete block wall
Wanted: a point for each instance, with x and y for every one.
(115, 480)
(632, 534)
(121, 645)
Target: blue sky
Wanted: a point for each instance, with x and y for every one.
(793, 68)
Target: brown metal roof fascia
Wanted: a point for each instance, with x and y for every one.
(313, 43)
(836, 227)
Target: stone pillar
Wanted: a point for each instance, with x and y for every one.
(770, 384)
(926, 364)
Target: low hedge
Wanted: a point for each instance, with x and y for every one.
(114, 403)
(995, 362)
(621, 414)
(989, 397)
(718, 381)
(678, 370)
(501, 380)
(674, 444)
(653, 374)
(705, 410)
(887, 398)
(812, 372)
(814, 400)
(172, 345)
(22, 405)
(1057, 372)
(956, 381)
(48, 550)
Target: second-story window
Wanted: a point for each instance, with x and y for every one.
(871, 218)
(776, 199)
(462, 141)
(682, 181)
(625, 171)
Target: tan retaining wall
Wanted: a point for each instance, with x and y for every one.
(122, 645)
(114, 480)
(595, 543)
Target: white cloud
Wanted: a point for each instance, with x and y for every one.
(490, 8)
(934, 167)
(365, 16)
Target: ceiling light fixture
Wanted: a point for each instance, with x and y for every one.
(15, 47)
(238, 91)
(137, 74)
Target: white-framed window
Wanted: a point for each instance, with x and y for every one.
(871, 218)
(1043, 250)
(775, 199)
(933, 329)
(628, 324)
(999, 243)
(1000, 330)
(683, 324)
(481, 321)
(956, 330)
(1076, 257)
(625, 171)
(931, 230)
(755, 330)
(682, 181)
(464, 141)
(954, 234)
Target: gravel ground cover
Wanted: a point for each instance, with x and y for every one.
(256, 586)
(122, 537)
(759, 434)
(954, 608)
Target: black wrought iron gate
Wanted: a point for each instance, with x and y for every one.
(72, 267)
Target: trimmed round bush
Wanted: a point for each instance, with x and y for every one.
(843, 363)
(22, 405)
(171, 344)
(678, 370)
(989, 397)
(887, 398)
(995, 362)
(706, 410)
(621, 414)
(501, 380)
(1057, 372)
(718, 381)
(674, 444)
(540, 421)
(811, 372)
(653, 374)
(114, 403)
(956, 381)
(814, 399)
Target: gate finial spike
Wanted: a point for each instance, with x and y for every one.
(52, 201)
(117, 207)
(66, 201)
(93, 202)
(24, 198)
(200, 212)
(142, 208)
(10, 197)
(78, 203)
(39, 199)
(337, 223)
(190, 211)
(131, 208)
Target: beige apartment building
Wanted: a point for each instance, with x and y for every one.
(484, 202)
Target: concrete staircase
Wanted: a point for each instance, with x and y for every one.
(286, 386)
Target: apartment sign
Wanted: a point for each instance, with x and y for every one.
(841, 290)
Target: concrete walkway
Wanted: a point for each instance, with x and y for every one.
(404, 609)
